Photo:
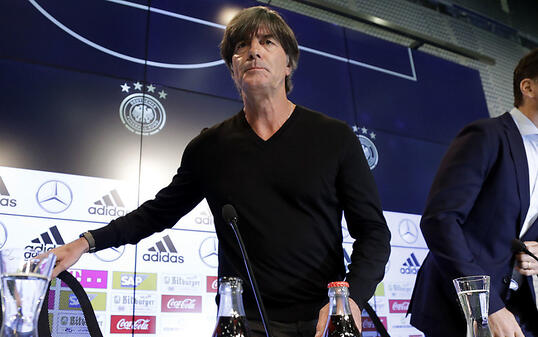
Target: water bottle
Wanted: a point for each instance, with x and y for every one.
(24, 276)
(340, 322)
(231, 320)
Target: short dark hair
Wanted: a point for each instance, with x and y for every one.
(526, 68)
(247, 22)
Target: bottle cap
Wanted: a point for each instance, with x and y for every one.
(338, 284)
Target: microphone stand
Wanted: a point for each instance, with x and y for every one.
(252, 279)
(519, 246)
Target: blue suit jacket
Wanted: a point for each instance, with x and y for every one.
(476, 206)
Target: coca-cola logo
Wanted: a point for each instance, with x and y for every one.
(368, 324)
(178, 303)
(126, 324)
(212, 284)
(399, 306)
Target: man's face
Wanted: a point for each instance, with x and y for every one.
(260, 64)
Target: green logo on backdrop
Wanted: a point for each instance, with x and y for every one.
(140, 281)
(68, 301)
(380, 290)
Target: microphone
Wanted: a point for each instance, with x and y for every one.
(518, 246)
(230, 216)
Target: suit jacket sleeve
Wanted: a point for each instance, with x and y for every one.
(365, 221)
(462, 174)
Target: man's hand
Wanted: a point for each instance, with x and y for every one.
(503, 324)
(527, 265)
(324, 314)
(67, 255)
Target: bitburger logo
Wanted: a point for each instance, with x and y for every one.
(140, 111)
(160, 253)
(367, 137)
(110, 204)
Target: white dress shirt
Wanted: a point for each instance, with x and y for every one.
(529, 133)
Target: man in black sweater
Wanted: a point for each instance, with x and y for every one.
(289, 172)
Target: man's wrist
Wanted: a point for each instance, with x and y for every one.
(91, 241)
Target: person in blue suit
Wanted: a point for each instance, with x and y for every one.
(485, 194)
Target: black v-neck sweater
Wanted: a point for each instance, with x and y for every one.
(289, 192)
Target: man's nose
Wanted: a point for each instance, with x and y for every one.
(254, 50)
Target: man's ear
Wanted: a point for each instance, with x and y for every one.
(528, 87)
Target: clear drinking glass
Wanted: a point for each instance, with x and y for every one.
(473, 293)
(25, 275)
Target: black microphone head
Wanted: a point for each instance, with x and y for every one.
(229, 214)
(518, 246)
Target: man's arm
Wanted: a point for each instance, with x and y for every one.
(456, 186)
(169, 205)
(359, 197)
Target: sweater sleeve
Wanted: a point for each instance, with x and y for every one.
(359, 197)
(168, 206)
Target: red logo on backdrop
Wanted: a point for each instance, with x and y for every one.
(125, 324)
(177, 303)
(398, 306)
(212, 284)
(368, 324)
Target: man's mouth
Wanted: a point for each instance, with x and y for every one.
(255, 68)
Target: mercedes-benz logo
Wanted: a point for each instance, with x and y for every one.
(54, 196)
(110, 254)
(3, 235)
(209, 252)
(408, 231)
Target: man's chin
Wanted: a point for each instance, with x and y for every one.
(257, 86)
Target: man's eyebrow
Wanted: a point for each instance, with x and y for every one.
(262, 36)
(267, 36)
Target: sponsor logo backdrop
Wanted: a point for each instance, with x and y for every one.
(92, 131)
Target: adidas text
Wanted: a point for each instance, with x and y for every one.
(8, 202)
(408, 270)
(38, 249)
(103, 210)
(163, 257)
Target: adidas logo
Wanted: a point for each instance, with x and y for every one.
(159, 253)
(4, 196)
(45, 242)
(110, 204)
(411, 265)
